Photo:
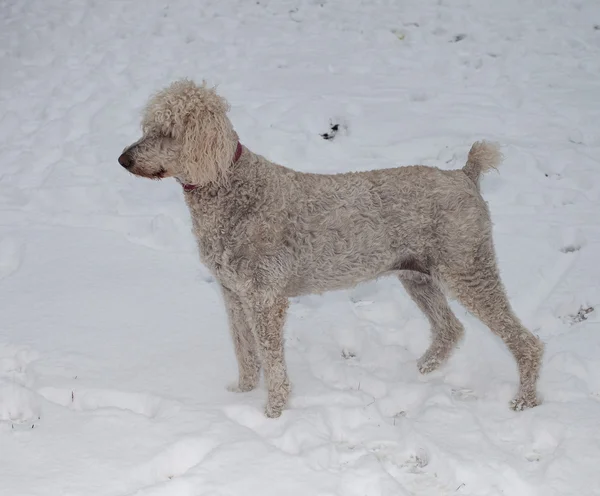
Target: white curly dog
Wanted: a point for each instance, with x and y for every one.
(269, 233)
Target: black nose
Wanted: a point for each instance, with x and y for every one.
(126, 161)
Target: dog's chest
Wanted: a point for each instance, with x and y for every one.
(217, 250)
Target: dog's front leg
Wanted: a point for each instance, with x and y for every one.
(244, 342)
(268, 320)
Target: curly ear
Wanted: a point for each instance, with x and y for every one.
(209, 142)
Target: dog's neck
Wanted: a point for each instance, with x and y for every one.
(236, 157)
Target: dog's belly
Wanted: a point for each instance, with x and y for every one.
(341, 273)
(318, 279)
(298, 287)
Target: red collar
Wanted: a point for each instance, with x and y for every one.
(236, 157)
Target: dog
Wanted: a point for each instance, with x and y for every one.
(268, 233)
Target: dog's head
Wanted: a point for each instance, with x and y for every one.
(186, 134)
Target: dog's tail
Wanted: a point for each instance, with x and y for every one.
(482, 157)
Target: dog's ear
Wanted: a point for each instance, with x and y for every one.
(209, 141)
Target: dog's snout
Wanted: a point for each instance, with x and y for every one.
(126, 160)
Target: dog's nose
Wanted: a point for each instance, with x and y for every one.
(126, 161)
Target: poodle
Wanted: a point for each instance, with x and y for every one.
(269, 233)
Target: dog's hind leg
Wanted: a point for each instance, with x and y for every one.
(268, 320)
(244, 342)
(479, 288)
(446, 330)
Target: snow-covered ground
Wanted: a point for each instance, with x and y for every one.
(114, 350)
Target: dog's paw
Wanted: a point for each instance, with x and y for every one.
(278, 399)
(272, 411)
(524, 401)
(240, 387)
(435, 356)
(429, 362)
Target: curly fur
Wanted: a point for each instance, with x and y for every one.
(197, 115)
(482, 157)
(269, 233)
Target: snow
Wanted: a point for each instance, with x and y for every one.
(114, 348)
